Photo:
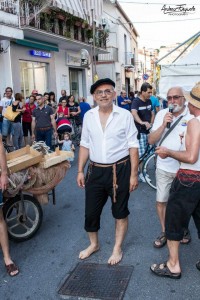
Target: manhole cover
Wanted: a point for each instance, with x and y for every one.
(99, 281)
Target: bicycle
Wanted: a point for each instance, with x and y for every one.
(149, 165)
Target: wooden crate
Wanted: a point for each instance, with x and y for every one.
(22, 159)
(55, 158)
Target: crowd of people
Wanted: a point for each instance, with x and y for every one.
(37, 117)
(112, 139)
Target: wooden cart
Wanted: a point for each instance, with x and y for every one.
(22, 209)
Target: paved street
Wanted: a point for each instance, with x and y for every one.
(47, 259)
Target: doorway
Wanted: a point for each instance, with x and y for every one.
(76, 83)
(33, 75)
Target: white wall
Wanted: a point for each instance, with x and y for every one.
(62, 72)
(5, 68)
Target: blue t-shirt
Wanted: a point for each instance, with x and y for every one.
(155, 102)
(84, 107)
(120, 99)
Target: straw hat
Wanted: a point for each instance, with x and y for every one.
(194, 95)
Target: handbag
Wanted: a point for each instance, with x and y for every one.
(10, 114)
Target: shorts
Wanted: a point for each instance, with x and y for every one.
(164, 181)
(184, 202)
(26, 126)
(6, 127)
(143, 142)
(99, 186)
(1, 199)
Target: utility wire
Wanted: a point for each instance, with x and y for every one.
(154, 3)
(146, 22)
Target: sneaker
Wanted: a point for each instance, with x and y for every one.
(141, 178)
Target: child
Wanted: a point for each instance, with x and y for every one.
(67, 143)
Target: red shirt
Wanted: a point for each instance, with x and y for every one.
(65, 110)
(27, 115)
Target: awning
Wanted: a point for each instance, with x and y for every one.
(73, 7)
(32, 43)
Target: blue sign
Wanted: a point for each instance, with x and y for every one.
(40, 53)
(145, 76)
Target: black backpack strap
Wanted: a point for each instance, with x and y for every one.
(170, 130)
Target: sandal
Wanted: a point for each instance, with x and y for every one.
(163, 271)
(186, 237)
(198, 265)
(12, 268)
(160, 239)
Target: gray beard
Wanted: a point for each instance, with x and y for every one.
(178, 108)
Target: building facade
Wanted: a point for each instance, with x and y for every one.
(66, 44)
(119, 64)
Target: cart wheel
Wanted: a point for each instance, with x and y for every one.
(23, 218)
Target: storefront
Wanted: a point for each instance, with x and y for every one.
(33, 68)
(33, 75)
(70, 75)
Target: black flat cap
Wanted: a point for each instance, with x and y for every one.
(100, 82)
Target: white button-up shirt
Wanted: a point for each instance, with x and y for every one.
(113, 143)
(174, 140)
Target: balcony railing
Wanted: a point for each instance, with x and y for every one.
(10, 6)
(9, 13)
(111, 56)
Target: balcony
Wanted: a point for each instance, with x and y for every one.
(9, 11)
(56, 22)
(9, 20)
(10, 6)
(112, 56)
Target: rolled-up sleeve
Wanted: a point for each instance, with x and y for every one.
(131, 133)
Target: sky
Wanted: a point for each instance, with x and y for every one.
(156, 27)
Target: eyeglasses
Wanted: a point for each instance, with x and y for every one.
(105, 92)
(8, 91)
(175, 97)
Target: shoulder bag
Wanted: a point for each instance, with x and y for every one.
(170, 130)
(10, 114)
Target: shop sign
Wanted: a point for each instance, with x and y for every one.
(72, 60)
(40, 53)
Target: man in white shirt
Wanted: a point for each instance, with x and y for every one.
(109, 140)
(167, 168)
(184, 199)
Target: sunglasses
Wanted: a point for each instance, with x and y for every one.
(175, 97)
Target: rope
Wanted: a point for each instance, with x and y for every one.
(41, 147)
(36, 180)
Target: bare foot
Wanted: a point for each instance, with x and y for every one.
(116, 257)
(88, 251)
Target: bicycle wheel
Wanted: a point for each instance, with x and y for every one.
(149, 170)
(23, 218)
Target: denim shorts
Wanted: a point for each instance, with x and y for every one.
(6, 127)
(1, 199)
